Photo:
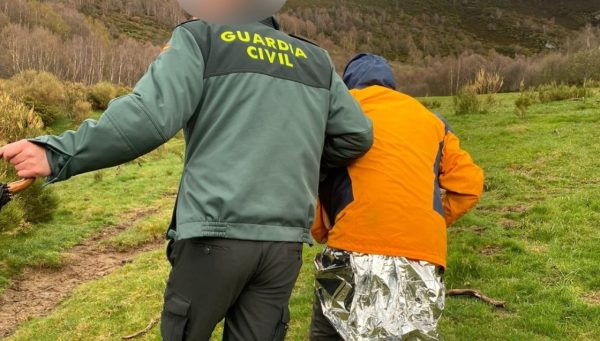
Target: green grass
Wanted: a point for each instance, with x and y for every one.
(91, 202)
(534, 241)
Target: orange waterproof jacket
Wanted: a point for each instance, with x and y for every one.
(390, 202)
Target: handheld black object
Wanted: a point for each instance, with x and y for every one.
(5, 195)
(7, 191)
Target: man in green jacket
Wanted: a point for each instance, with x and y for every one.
(263, 113)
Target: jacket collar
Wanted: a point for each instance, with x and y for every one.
(271, 22)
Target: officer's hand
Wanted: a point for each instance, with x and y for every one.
(29, 159)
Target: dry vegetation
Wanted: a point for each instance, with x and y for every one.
(29, 102)
(437, 48)
(16, 122)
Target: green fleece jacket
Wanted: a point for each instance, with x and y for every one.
(262, 112)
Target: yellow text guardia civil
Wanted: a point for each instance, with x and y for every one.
(266, 49)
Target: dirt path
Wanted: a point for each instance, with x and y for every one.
(38, 291)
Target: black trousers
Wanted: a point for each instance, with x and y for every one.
(247, 283)
(320, 327)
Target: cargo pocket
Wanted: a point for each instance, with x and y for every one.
(282, 326)
(175, 317)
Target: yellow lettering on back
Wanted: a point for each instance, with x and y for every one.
(258, 39)
(287, 61)
(271, 43)
(252, 52)
(300, 53)
(271, 56)
(283, 46)
(228, 36)
(244, 36)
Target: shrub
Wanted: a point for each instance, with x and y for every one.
(80, 111)
(487, 83)
(554, 92)
(431, 104)
(75, 92)
(101, 94)
(17, 121)
(40, 90)
(39, 203)
(43, 87)
(526, 99)
(467, 101)
(48, 113)
(123, 90)
(78, 106)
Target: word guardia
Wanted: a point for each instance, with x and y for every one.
(267, 49)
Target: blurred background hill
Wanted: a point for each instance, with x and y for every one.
(437, 46)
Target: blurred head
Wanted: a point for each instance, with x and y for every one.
(231, 11)
(366, 70)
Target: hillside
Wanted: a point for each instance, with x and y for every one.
(509, 26)
(442, 27)
(93, 40)
(396, 28)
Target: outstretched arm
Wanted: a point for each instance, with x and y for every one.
(160, 105)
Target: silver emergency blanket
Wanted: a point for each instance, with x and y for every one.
(372, 297)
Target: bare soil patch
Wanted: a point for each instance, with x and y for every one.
(37, 291)
(491, 250)
(592, 298)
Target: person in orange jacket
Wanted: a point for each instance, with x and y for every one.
(384, 218)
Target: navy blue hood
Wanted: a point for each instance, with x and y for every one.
(366, 70)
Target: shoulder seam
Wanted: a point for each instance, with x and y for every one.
(185, 22)
(303, 39)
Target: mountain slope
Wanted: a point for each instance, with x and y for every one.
(93, 40)
(400, 29)
(442, 27)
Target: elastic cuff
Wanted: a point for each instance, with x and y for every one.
(57, 160)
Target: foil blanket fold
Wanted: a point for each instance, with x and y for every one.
(373, 297)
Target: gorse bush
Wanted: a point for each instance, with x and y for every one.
(52, 99)
(38, 203)
(17, 121)
(467, 101)
(554, 92)
(40, 90)
(80, 111)
(480, 95)
(431, 104)
(102, 93)
(526, 99)
(42, 87)
(78, 106)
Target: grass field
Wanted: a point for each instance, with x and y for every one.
(534, 241)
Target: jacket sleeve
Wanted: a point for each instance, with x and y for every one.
(461, 178)
(349, 132)
(160, 105)
(321, 226)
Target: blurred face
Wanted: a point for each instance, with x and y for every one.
(231, 11)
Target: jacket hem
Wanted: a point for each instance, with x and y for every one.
(391, 253)
(253, 232)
